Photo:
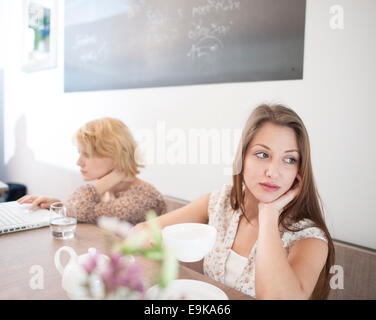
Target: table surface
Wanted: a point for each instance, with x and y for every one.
(26, 253)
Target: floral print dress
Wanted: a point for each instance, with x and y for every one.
(226, 221)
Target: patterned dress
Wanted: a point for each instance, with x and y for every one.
(130, 205)
(226, 221)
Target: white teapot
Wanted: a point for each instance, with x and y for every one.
(74, 274)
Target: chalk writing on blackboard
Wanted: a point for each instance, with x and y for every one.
(116, 44)
(88, 50)
(223, 5)
(206, 36)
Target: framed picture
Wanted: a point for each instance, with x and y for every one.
(39, 35)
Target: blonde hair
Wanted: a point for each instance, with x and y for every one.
(109, 137)
(308, 202)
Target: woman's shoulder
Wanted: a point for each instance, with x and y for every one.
(149, 195)
(85, 192)
(220, 200)
(221, 194)
(303, 229)
(142, 186)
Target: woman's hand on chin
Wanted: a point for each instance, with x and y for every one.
(276, 207)
(108, 196)
(110, 182)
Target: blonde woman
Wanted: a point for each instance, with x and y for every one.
(272, 241)
(107, 157)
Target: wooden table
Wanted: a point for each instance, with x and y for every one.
(23, 254)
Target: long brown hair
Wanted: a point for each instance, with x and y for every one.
(308, 204)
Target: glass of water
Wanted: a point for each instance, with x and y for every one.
(63, 220)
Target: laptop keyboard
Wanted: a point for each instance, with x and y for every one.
(15, 217)
(9, 217)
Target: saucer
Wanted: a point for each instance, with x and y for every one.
(186, 289)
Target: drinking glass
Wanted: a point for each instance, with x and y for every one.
(63, 220)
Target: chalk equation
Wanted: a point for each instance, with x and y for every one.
(87, 49)
(217, 5)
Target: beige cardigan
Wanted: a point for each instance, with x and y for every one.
(130, 205)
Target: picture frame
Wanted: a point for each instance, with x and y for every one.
(39, 48)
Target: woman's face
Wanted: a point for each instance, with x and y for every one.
(272, 158)
(93, 167)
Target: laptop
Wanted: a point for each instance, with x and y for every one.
(17, 217)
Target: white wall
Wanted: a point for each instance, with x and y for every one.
(2, 35)
(335, 100)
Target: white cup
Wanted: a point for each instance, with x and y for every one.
(189, 241)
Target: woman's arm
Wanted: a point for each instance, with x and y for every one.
(89, 206)
(38, 201)
(196, 211)
(85, 198)
(279, 276)
(131, 206)
(109, 181)
(101, 186)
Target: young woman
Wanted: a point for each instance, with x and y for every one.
(272, 241)
(107, 157)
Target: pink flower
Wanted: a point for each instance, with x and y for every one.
(91, 263)
(130, 277)
(121, 274)
(109, 274)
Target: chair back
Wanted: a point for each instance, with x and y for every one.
(359, 273)
(174, 203)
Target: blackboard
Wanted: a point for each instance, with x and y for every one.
(120, 44)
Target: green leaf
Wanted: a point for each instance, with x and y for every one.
(154, 228)
(154, 255)
(169, 270)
